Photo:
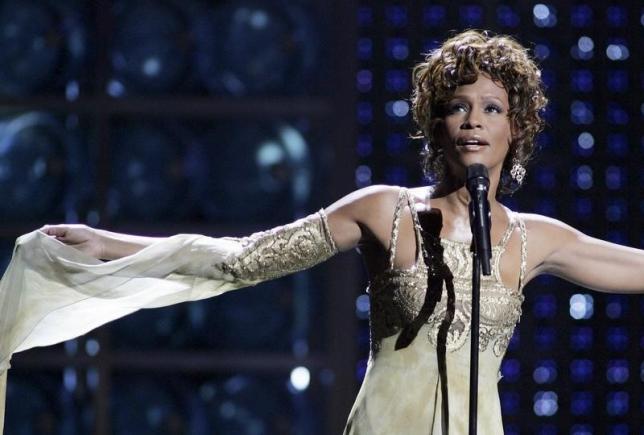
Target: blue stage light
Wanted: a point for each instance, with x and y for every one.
(545, 306)
(397, 48)
(471, 15)
(583, 208)
(617, 404)
(397, 80)
(581, 370)
(364, 112)
(617, 115)
(545, 372)
(396, 15)
(507, 16)
(364, 80)
(396, 143)
(544, 15)
(511, 370)
(581, 15)
(616, 16)
(615, 177)
(616, 209)
(510, 403)
(617, 144)
(434, 15)
(254, 47)
(365, 16)
(545, 337)
(581, 112)
(617, 371)
(617, 81)
(364, 48)
(581, 80)
(365, 144)
(581, 338)
(581, 403)
(397, 175)
(617, 338)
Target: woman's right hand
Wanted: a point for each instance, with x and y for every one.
(85, 239)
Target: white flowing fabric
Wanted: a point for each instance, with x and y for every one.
(51, 292)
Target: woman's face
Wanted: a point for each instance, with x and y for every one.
(476, 127)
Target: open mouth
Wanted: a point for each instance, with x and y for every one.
(471, 142)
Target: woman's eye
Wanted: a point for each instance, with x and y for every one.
(493, 108)
(457, 107)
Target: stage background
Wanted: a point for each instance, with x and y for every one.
(227, 117)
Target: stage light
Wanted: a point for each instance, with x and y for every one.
(615, 177)
(617, 338)
(471, 15)
(149, 178)
(363, 176)
(151, 49)
(38, 159)
(243, 405)
(617, 51)
(435, 15)
(545, 403)
(43, 45)
(581, 112)
(583, 177)
(616, 210)
(617, 403)
(542, 51)
(511, 369)
(364, 48)
(544, 306)
(586, 142)
(146, 406)
(581, 403)
(544, 337)
(581, 306)
(29, 408)
(253, 47)
(364, 112)
(510, 403)
(583, 208)
(397, 81)
(581, 80)
(581, 15)
(544, 15)
(545, 372)
(617, 144)
(365, 16)
(583, 50)
(397, 48)
(617, 81)
(364, 145)
(581, 370)
(581, 338)
(617, 372)
(231, 321)
(364, 80)
(300, 379)
(269, 164)
(396, 15)
(396, 175)
(362, 307)
(617, 115)
(396, 143)
(397, 109)
(507, 16)
(616, 307)
(616, 16)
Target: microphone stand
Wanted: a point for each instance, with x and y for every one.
(479, 209)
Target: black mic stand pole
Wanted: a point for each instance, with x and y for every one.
(479, 209)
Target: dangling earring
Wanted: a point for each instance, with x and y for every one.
(518, 171)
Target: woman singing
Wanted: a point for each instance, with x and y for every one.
(477, 99)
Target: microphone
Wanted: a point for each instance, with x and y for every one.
(478, 184)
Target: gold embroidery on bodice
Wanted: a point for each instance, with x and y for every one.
(397, 295)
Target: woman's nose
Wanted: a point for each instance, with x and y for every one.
(471, 121)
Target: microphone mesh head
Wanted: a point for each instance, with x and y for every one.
(476, 170)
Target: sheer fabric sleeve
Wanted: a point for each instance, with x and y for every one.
(51, 292)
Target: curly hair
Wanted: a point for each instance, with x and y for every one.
(459, 61)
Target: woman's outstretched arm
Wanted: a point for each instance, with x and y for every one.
(560, 250)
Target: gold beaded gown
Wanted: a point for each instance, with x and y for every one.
(401, 392)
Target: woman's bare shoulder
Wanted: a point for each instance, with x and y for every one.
(363, 214)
